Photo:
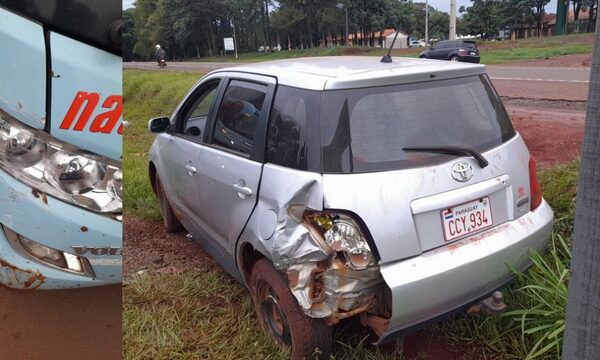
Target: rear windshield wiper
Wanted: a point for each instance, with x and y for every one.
(451, 150)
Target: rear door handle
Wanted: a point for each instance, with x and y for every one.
(242, 190)
(191, 169)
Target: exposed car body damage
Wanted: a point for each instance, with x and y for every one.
(319, 276)
(16, 278)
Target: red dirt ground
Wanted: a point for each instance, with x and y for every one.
(578, 60)
(552, 136)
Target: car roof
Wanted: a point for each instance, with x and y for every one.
(346, 72)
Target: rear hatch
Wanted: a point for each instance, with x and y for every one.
(470, 48)
(412, 202)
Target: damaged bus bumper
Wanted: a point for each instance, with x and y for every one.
(39, 233)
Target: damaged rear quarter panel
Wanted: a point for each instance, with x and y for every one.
(320, 281)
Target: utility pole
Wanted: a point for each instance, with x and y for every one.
(427, 22)
(583, 318)
(347, 38)
(234, 37)
(562, 8)
(452, 33)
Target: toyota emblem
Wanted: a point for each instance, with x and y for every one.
(462, 171)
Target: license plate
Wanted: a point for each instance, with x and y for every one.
(465, 219)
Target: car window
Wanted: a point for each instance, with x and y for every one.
(194, 121)
(469, 45)
(366, 129)
(292, 140)
(238, 115)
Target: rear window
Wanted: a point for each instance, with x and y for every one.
(469, 45)
(364, 130)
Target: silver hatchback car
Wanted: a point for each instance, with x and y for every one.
(346, 187)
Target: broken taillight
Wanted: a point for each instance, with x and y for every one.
(534, 186)
(342, 233)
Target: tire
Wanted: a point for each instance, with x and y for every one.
(281, 316)
(454, 58)
(422, 57)
(170, 221)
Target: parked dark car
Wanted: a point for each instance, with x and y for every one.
(453, 50)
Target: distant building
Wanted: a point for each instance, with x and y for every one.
(401, 41)
(523, 31)
(374, 39)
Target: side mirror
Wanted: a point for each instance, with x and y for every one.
(159, 124)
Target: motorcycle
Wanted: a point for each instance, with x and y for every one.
(162, 63)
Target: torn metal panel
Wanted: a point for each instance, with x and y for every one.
(16, 278)
(332, 289)
(319, 277)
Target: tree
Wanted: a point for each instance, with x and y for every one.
(483, 17)
(583, 307)
(538, 7)
(129, 34)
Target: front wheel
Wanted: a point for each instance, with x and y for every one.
(454, 58)
(279, 313)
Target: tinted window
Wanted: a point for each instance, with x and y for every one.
(194, 122)
(445, 45)
(469, 45)
(293, 136)
(365, 129)
(238, 115)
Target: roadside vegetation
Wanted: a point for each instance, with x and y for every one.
(195, 29)
(492, 52)
(208, 315)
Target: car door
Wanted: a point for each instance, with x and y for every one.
(180, 150)
(231, 166)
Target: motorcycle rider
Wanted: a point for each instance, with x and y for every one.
(160, 54)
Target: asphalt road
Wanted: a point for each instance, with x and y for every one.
(67, 324)
(541, 74)
(496, 72)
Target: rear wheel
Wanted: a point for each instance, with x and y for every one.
(454, 58)
(279, 313)
(172, 224)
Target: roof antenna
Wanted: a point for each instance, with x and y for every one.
(387, 58)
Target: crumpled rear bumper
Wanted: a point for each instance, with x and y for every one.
(447, 278)
(59, 225)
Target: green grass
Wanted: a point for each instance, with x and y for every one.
(203, 316)
(496, 52)
(147, 95)
(508, 55)
(190, 315)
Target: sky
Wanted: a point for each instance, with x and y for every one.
(127, 4)
(442, 5)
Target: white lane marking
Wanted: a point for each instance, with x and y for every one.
(546, 80)
(507, 67)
